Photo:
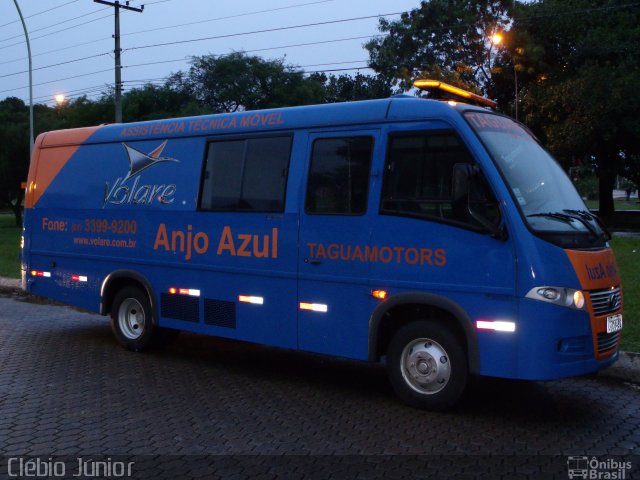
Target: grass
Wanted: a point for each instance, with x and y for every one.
(9, 247)
(620, 204)
(627, 251)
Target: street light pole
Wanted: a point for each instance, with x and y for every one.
(515, 75)
(26, 34)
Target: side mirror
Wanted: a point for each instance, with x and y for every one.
(460, 179)
(468, 186)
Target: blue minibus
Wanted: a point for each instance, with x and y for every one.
(436, 237)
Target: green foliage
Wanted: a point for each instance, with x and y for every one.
(239, 82)
(153, 102)
(447, 40)
(14, 153)
(346, 88)
(10, 251)
(587, 186)
(631, 170)
(571, 65)
(582, 99)
(627, 251)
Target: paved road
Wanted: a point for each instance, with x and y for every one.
(67, 389)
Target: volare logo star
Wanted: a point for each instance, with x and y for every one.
(130, 189)
(139, 161)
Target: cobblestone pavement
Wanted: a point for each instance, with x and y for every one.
(67, 389)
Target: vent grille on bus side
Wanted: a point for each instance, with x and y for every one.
(607, 341)
(219, 313)
(606, 301)
(180, 307)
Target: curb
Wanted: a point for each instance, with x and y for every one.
(10, 283)
(627, 368)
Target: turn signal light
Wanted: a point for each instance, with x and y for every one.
(37, 273)
(185, 291)
(380, 294)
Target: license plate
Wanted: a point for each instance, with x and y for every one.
(614, 323)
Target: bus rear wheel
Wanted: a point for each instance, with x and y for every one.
(132, 321)
(427, 365)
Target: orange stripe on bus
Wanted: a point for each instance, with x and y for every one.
(595, 270)
(46, 162)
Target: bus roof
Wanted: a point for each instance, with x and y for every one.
(255, 121)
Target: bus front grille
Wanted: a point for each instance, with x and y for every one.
(606, 301)
(607, 341)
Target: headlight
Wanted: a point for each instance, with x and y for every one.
(566, 297)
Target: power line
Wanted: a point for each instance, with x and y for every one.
(307, 44)
(153, 29)
(164, 79)
(53, 25)
(268, 30)
(233, 34)
(40, 13)
(161, 28)
(57, 31)
(75, 93)
(227, 17)
(56, 50)
(533, 17)
(279, 47)
(55, 64)
(59, 80)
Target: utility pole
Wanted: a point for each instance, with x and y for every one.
(118, 94)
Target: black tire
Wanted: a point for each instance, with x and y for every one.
(133, 324)
(427, 365)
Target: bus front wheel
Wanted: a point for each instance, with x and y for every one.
(132, 322)
(427, 365)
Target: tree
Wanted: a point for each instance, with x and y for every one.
(583, 99)
(152, 102)
(573, 66)
(238, 82)
(345, 88)
(14, 154)
(448, 40)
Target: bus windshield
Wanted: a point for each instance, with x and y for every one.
(547, 199)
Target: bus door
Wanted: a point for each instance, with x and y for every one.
(334, 298)
(429, 239)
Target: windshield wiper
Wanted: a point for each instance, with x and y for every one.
(563, 217)
(587, 216)
(557, 216)
(580, 216)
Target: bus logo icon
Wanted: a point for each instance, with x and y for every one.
(578, 467)
(139, 161)
(125, 191)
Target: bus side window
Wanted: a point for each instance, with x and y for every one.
(246, 175)
(419, 174)
(338, 181)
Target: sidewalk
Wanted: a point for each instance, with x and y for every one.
(627, 368)
(9, 282)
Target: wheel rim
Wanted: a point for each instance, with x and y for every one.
(425, 366)
(131, 318)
